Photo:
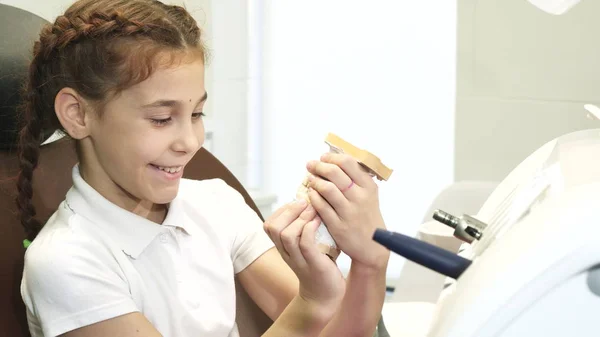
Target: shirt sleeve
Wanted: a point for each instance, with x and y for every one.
(248, 238)
(70, 283)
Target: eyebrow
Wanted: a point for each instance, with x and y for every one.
(172, 103)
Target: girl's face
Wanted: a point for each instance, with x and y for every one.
(138, 148)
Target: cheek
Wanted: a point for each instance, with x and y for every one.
(134, 147)
(113, 137)
(149, 148)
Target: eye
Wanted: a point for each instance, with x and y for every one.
(198, 115)
(160, 122)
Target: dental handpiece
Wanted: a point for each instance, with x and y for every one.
(423, 253)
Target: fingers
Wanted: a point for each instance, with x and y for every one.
(281, 219)
(329, 191)
(324, 209)
(330, 172)
(278, 212)
(285, 229)
(350, 167)
(308, 246)
(290, 236)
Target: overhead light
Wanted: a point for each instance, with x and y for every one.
(556, 7)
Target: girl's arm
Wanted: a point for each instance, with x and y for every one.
(300, 318)
(273, 286)
(360, 310)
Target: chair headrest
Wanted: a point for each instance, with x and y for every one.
(18, 30)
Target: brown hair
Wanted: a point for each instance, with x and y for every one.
(98, 48)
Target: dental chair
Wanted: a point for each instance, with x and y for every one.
(535, 267)
(530, 261)
(52, 179)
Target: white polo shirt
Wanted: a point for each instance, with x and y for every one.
(93, 261)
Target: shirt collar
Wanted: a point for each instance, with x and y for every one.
(130, 231)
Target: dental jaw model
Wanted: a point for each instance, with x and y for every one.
(369, 163)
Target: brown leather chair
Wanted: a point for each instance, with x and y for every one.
(52, 179)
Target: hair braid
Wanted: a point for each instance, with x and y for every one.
(30, 138)
(97, 25)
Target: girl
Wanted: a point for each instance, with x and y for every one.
(134, 249)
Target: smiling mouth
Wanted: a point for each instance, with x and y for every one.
(169, 169)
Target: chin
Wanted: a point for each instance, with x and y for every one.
(165, 197)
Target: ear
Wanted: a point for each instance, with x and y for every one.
(71, 111)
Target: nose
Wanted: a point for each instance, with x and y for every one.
(190, 137)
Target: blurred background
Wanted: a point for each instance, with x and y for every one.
(442, 91)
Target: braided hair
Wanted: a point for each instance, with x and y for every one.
(98, 48)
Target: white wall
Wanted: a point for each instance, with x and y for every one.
(523, 78)
(380, 74)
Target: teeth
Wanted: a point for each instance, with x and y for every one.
(172, 169)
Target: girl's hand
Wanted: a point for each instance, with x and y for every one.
(293, 228)
(347, 199)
